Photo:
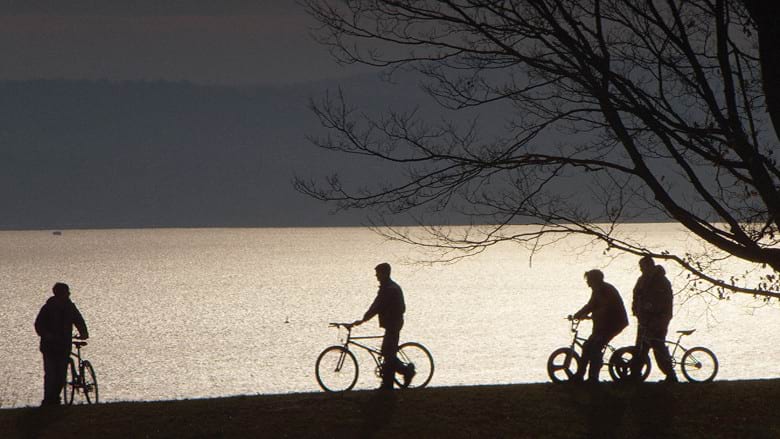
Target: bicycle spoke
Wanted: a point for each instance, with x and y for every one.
(417, 356)
(699, 364)
(336, 369)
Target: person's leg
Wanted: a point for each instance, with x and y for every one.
(584, 360)
(62, 368)
(48, 378)
(596, 357)
(389, 354)
(591, 358)
(661, 351)
(54, 371)
(642, 347)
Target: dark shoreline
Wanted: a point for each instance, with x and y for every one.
(723, 409)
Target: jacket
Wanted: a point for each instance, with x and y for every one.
(55, 323)
(389, 305)
(653, 296)
(607, 310)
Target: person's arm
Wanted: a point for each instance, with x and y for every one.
(80, 324)
(40, 323)
(635, 298)
(372, 310)
(585, 310)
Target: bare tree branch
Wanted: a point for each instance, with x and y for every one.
(657, 107)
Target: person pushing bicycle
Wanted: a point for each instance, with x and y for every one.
(389, 305)
(54, 324)
(652, 306)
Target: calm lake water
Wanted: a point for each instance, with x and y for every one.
(193, 313)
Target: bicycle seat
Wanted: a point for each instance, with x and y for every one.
(687, 332)
(79, 344)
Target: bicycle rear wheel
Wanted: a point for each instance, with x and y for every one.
(562, 365)
(336, 369)
(699, 365)
(620, 364)
(412, 353)
(90, 383)
(71, 383)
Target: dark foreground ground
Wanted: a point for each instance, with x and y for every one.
(727, 409)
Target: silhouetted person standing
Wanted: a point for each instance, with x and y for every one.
(389, 305)
(54, 325)
(652, 306)
(609, 318)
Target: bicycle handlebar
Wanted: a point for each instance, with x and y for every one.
(572, 319)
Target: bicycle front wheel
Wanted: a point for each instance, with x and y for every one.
(90, 383)
(620, 364)
(699, 365)
(336, 369)
(418, 355)
(71, 383)
(562, 365)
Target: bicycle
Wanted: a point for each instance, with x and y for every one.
(564, 362)
(80, 377)
(337, 367)
(698, 363)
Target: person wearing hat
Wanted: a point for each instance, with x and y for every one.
(54, 325)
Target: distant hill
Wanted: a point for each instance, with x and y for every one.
(102, 154)
(83, 154)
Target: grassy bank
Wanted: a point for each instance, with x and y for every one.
(728, 409)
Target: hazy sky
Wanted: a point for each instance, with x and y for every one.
(133, 154)
(204, 41)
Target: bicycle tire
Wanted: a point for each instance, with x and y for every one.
(418, 355)
(336, 369)
(699, 365)
(90, 383)
(563, 364)
(620, 364)
(71, 383)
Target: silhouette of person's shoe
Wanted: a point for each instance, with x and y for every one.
(409, 374)
(671, 379)
(385, 388)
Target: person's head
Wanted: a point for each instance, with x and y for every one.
(382, 272)
(594, 278)
(61, 290)
(646, 264)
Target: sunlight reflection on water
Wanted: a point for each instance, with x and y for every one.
(177, 313)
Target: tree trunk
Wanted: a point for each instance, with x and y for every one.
(765, 13)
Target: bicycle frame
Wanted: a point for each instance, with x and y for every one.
(81, 377)
(673, 346)
(376, 354)
(79, 362)
(337, 367)
(578, 341)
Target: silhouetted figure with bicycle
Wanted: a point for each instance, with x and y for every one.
(390, 307)
(652, 306)
(609, 316)
(54, 325)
